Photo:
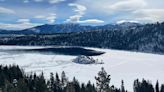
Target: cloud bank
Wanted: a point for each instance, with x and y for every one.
(79, 11)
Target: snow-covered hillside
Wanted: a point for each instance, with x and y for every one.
(121, 65)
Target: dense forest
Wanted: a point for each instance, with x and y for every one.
(14, 79)
(144, 38)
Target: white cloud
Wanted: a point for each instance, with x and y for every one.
(116, 10)
(149, 15)
(123, 21)
(38, 0)
(92, 21)
(26, 1)
(23, 20)
(128, 5)
(111, 6)
(40, 17)
(80, 11)
(138, 11)
(74, 18)
(50, 18)
(21, 24)
(6, 10)
(18, 26)
(55, 1)
(50, 1)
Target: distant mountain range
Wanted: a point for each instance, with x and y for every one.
(67, 28)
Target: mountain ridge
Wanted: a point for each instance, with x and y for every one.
(69, 27)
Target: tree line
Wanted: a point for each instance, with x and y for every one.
(14, 79)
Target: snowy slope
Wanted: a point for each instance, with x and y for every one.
(120, 64)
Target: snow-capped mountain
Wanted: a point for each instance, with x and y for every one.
(69, 27)
(49, 29)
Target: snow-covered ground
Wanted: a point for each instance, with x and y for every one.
(121, 65)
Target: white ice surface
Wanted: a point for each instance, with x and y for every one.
(121, 65)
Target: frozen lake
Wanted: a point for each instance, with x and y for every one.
(121, 65)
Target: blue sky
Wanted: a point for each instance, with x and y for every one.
(21, 14)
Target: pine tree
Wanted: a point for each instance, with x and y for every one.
(22, 86)
(49, 86)
(90, 87)
(52, 82)
(122, 86)
(57, 83)
(162, 88)
(64, 80)
(76, 85)
(102, 81)
(82, 88)
(144, 86)
(136, 86)
(41, 84)
(70, 87)
(157, 87)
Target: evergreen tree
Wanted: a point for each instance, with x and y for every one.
(157, 87)
(49, 86)
(144, 86)
(122, 86)
(102, 81)
(76, 85)
(64, 80)
(8, 87)
(82, 88)
(90, 87)
(136, 86)
(57, 83)
(41, 84)
(52, 82)
(70, 87)
(162, 88)
(22, 86)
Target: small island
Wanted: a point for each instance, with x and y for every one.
(86, 60)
